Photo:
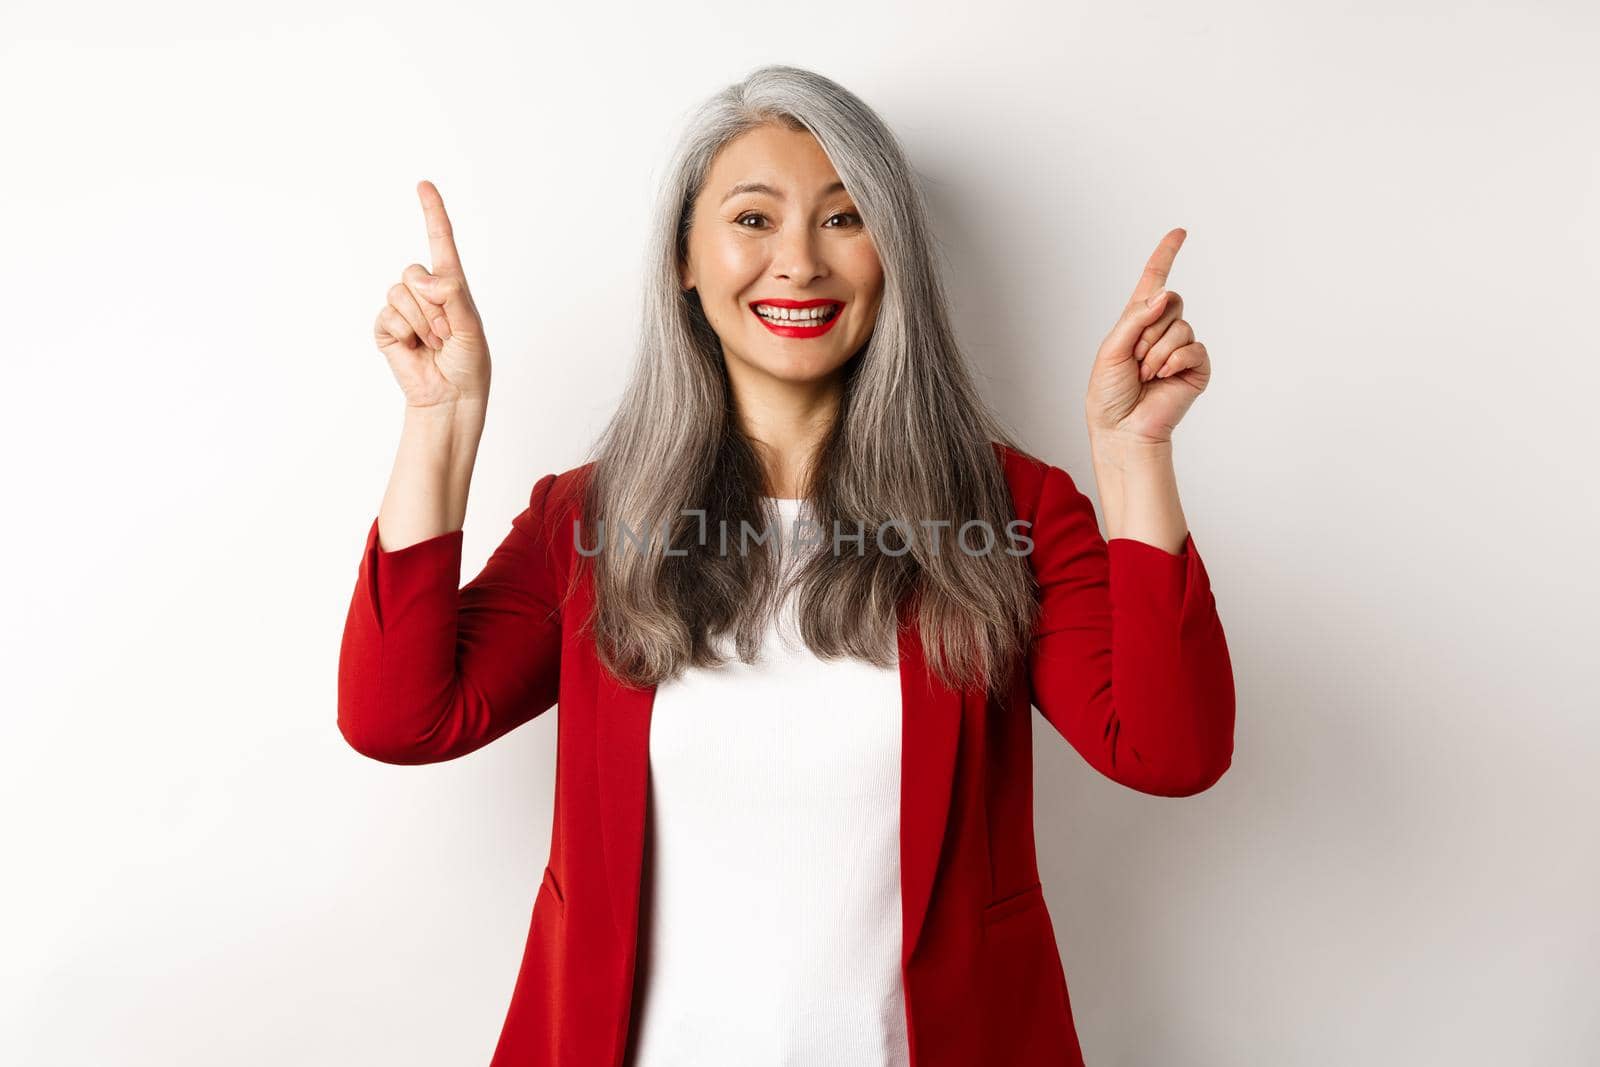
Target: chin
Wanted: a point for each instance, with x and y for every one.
(796, 368)
(803, 371)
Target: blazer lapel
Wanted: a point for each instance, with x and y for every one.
(623, 753)
(930, 736)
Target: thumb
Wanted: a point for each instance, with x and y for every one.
(449, 293)
(1138, 315)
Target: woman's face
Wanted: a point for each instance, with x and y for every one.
(797, 240)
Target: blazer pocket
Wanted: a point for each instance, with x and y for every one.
(549, 883)
(1020, 901)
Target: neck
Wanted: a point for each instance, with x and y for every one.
(787, 421)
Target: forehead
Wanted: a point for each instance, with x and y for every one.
(773, 161)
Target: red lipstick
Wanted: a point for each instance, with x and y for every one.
(791, 330)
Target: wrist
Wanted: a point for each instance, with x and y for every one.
(460, 414)
(444, 437)
(1119, 450)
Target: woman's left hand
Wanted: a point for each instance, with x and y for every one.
(1149, 369)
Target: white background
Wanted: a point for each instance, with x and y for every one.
(1391, 258)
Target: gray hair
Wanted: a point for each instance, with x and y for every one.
(912, 439)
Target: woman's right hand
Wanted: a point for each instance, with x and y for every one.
(429, 330)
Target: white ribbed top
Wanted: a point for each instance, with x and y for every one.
(770, 923)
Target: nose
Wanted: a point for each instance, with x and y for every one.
(795, 256)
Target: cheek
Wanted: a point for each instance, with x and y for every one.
(866, 274)
(871, 299)
(732, 264)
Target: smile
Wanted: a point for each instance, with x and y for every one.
(788, 318)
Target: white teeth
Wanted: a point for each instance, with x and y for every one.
(802, 316)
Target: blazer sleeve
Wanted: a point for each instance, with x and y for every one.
(428, 672)
(1128, 660)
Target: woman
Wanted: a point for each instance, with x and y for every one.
(793, 804)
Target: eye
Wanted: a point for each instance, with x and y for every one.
(739, 221)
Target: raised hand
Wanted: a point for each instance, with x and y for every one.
(1149, 368)
(429, 330)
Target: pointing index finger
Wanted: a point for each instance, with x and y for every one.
(1159, 265)
(441, 239)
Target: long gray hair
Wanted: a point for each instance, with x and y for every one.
(912, 440)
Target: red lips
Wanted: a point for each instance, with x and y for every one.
(798, 331)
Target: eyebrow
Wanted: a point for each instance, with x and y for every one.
(762, 187)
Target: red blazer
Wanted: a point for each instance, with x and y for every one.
(1128, 663)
